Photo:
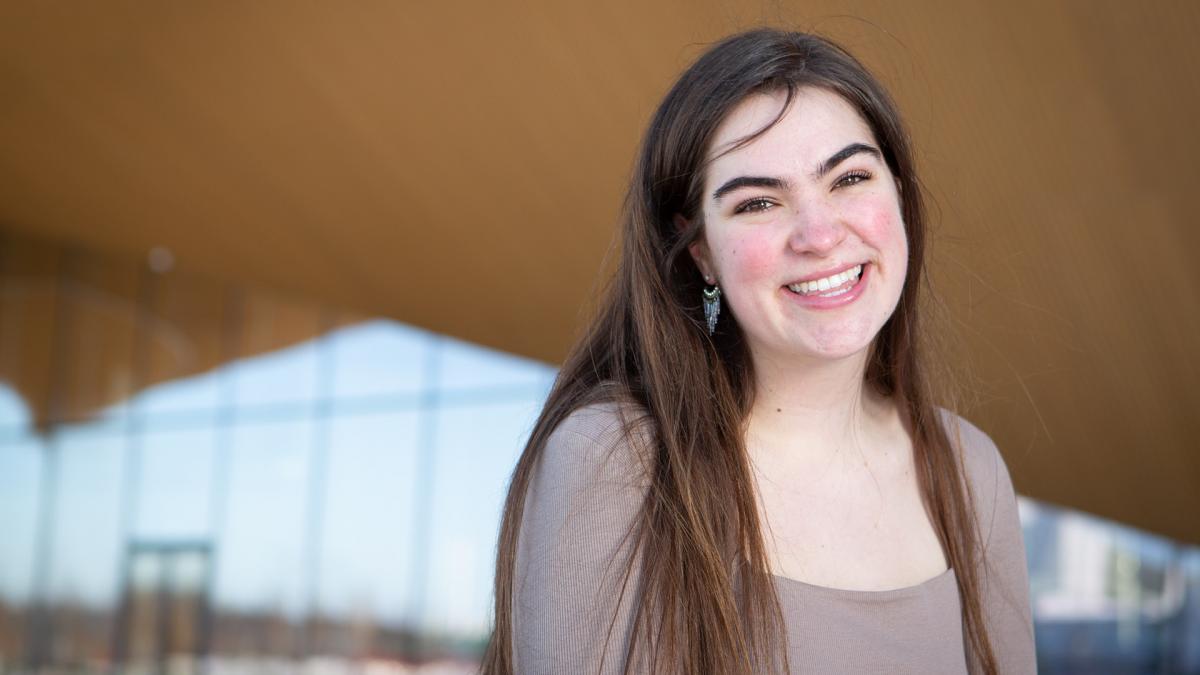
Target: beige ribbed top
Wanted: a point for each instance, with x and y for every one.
(585, 493)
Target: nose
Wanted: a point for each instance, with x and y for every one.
(816, 229)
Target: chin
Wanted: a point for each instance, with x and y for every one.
(825, 352)
(837, 347)
(843, 353)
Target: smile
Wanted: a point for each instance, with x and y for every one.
(839, 289)
(829, 286)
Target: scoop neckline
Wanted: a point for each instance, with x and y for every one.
(886, 594)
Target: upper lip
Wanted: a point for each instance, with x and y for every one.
(827, 273)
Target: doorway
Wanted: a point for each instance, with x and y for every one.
(165, 618)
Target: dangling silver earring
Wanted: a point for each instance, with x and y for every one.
(712, 306)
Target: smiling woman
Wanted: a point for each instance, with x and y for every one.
(771, 488)
(809, 199)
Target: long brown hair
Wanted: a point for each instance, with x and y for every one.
(707, 602)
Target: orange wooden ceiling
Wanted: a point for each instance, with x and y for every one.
(460, 167)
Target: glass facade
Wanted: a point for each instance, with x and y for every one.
(273, 486)
(215, 475)
(288, 506)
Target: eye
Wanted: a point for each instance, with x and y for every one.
(852, 178)
(754, 205)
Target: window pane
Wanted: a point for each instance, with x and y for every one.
(378, 358)
(21, 467)
(197, 393)
(84, 559)
(1108, 598)
(20, 481)
(15, 418)
(477, 448)
(468, 366)
(87, 530)
(260, 556)
(367, 531)
(174, 485)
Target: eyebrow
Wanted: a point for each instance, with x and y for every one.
(749, 181)
(842, 155)
(780, 184)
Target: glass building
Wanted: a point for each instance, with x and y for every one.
(198, 476)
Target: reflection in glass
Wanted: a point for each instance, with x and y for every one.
(260, 545)
(1108, 598)
(377, 358)
(14, 414)
(85, 542)
(288, 376)
(87, 528)
(174, 489)
(144, 580)
(366, 554)
(20, 469)
(476, 450)
(199, 393)
(164, 611)
(467, 366)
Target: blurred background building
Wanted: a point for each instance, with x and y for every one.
(282, 289)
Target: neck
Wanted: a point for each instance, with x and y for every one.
(813, 409)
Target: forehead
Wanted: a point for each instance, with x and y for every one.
(817, 124)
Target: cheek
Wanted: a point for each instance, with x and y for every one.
(888, 235)
(750, 257)
(884, 228)
(881, 223)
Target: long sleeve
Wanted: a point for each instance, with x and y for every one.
(575, 545)
(1005, 576)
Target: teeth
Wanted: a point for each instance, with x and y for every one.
(821, 285)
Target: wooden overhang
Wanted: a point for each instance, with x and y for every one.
(460, 167)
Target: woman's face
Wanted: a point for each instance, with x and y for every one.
(807, 200)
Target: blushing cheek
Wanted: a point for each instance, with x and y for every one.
(889, 235)
(880, 223)
(751, 257)
(886, 227)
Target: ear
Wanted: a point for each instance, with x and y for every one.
(697, 249)
(681, 223)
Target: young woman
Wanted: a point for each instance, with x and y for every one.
(741, 467)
